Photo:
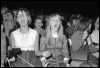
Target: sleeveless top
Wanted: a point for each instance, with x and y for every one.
(25, 41)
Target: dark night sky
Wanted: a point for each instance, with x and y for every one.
(85, 8)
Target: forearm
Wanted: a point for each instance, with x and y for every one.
(66, 53)
(38, 53)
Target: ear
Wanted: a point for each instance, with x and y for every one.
(28, 18)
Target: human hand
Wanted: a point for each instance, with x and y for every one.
(46, 54)
(12, 59)
(44, 62)
(85, 34)
(65, 60)
(2, 65)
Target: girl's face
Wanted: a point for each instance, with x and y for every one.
(38, 23)
(22, 18)
(55, 23)
(75, 22)
(8, 21)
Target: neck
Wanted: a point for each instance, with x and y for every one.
(24, 29)
(37, 29)
(54, 32)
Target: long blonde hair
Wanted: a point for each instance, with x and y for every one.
(48, 28)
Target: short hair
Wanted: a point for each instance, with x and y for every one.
(27, 12)
(5, 17)
(83, 24)
(39, 17)
(8, 11)
(73, 17)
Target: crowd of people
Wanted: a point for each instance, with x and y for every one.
(52, 41)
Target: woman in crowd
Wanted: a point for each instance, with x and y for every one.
(55, 42)
(77, 41)
(73, 21)
(79, 38)
(26, 39)
(8, 22)
(93, 42)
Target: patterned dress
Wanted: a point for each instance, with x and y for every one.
(59, 51)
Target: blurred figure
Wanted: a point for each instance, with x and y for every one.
(73, 21)
(93, 42)
(78, 40)
(3, 47)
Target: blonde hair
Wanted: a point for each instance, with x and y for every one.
(48, 28)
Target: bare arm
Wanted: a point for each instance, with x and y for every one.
(37, 52)
(12, 41)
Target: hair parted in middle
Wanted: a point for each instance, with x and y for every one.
(48, 27)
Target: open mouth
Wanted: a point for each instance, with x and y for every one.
(55, 25)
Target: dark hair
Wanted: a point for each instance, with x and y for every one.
(27, 12)
(73, 17)
(38, 15)
(83, 24)
(8, 11)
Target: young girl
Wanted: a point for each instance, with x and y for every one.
(8, 23)
(26, 39)
(73, 23)
(38, 25)
(55, 42)
(79, 46)
(93, 42)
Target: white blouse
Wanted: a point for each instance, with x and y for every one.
(25, 41)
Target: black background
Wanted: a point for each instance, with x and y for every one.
(85, 8)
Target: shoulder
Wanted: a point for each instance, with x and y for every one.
(95, 33)
(76, 35)
(15, 31)
(33, 31)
